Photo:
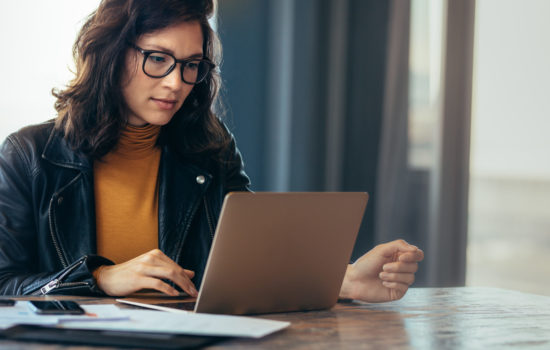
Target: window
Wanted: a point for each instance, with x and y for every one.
(425, 79)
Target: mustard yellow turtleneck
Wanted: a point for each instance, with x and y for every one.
(126, 195)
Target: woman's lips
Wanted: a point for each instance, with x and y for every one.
(164, 104)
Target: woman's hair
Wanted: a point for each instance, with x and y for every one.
(92, 110)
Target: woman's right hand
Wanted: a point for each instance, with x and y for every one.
(145, 271)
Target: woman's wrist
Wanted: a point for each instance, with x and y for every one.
(346, 291)
(97, 274)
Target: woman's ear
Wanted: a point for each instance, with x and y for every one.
(129, 66)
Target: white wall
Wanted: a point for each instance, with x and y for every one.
(509, 215)
(511, 109)
(36, 38)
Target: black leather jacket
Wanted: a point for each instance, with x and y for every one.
(47, 212)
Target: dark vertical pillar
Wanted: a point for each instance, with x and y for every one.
(366, 77)
(244, 33)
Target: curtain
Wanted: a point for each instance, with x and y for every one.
(427, 205)
(317, 95)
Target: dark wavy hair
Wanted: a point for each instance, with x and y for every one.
(91, 109)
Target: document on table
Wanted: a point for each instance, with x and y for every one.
(186, 323)
(110, 317)
(21, 314)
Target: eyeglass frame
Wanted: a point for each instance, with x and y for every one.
(147, 53)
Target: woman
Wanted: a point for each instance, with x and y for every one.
(122, 191)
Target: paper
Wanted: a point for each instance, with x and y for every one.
(21, 314)
(110, 317)
(95, 313)
(186, 323)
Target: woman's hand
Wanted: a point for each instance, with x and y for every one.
(382, 274)
(145, 271)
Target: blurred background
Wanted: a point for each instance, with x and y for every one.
(438, 108)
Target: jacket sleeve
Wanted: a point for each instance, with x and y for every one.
(235, 176)
(20, 270)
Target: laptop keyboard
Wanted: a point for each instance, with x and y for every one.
(187, 305)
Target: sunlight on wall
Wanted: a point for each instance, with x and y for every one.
(37, 39)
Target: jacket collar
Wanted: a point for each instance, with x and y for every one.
(58, 151)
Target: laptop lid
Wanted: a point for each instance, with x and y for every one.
(279, 252)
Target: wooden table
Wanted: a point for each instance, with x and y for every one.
(427, 318)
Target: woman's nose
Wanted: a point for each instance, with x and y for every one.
(173, 80)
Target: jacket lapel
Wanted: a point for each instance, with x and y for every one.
(182, 187)
(71, 210)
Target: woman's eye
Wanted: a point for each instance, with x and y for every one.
(157, 59)
(192, 65)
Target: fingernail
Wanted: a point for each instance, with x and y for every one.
(383, 275)
(195, 293)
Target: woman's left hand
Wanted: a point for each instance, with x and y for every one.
(383, 274)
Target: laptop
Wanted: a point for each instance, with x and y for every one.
(280, 252)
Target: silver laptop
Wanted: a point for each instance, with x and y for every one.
(280, 252)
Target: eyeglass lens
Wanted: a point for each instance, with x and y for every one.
(158, 64)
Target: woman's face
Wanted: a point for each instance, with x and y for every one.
(156, 100)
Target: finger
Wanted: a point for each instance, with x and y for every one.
(155, 283)
(171, 270)
(164, 260)
(182, 278)
(400, 267)
(405, 278)
(391, 248)
(157, 257)
(413, 256)
(178, 277)
(396, 290)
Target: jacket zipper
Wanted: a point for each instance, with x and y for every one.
(210, 227)
(53, 233)
(53, 222)
(56, 283)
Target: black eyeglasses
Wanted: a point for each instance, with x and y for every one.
(158, 64)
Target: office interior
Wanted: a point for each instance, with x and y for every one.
(437, 108)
